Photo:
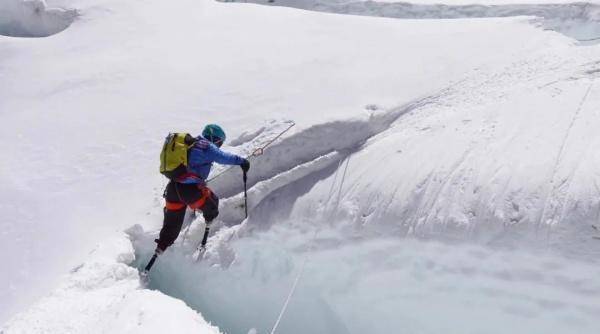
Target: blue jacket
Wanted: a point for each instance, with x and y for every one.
(201, 157)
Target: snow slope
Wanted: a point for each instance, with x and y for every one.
(115, 79)
(524, 197)
(473, 130)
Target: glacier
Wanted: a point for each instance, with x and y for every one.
(441, 175)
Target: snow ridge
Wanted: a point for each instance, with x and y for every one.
(579, 20)
(305, 145)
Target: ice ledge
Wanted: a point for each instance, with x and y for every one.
(33, 18)
(103, 295)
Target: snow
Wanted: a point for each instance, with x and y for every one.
(103, 295)
(488, 2)
(579, 20)
(528, 222)
(438, 169)
(382, 285)
(33, 18)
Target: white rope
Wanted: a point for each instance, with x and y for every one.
(554, 187)
(293, 289)
(257, 152)
(339, 194)
(330, 195)
(290, 295)
(301, 272)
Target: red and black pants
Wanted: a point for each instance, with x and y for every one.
(178, 196)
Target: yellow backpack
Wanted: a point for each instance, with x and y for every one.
(174, 154)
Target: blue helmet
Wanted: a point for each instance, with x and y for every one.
(214, 133)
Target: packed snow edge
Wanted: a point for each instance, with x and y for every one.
(105, 293)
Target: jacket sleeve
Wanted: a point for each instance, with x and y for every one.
(224, 158)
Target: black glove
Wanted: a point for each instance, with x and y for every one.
(245, 165)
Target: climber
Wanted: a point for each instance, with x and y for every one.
(187, 186)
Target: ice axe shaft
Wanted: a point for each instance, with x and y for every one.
(150, 263)
(245, 194)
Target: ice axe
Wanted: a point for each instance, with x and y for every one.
(246, 194)
(258, 151)
(150, 264)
